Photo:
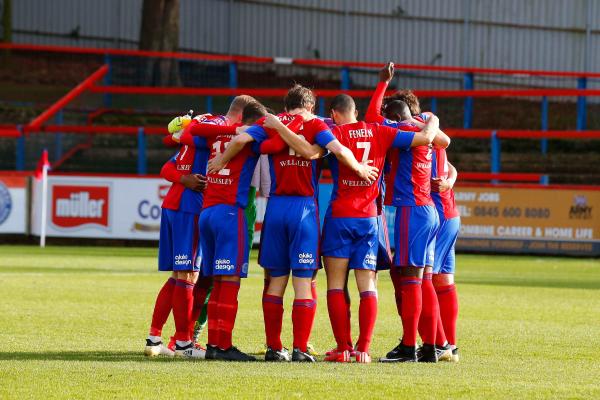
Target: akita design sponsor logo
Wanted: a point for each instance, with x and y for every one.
(224, 264)
(371, 259)
(182, 259)
(74, 206)
(306, 258)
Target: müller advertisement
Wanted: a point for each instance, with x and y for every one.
(545, 220)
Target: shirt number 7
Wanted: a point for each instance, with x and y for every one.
(367, 147)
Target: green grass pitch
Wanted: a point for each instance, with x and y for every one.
(73, 322)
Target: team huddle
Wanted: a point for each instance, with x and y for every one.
(396, 157)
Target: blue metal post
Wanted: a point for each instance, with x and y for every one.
(107, 97)
(544, 141)
(141, 151)
(58, 148)
(345, 77)
(20, 156)
(322, 107)
(233, 75)
(434, 105)
(495, 150)
(468, 114)
(581, 105)
(209, 104)
(544, 180)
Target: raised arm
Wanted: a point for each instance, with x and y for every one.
(374, 110)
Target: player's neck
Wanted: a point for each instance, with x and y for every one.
(307, 115)
(232, 118)
(345, 121)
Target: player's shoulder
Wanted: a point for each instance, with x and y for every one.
(214, 119)
(408, 126)
(316, 124)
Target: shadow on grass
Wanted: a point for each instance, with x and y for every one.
(110, 356)
(96, 356)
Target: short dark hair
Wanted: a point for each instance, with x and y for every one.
(406, 96)
(342, 103)
(299, 97)
(396, 108)
(253, 112)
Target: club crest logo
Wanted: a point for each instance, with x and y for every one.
(5, 203)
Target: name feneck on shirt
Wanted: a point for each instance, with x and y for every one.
(360, 133)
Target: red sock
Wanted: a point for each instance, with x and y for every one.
(200, 291)
(338, 316)
(162, 307)
(213, 314)
(227, 309)
(412, 303)
(440, 336)
(430, 311)
(183, 301)
(273, 316)
(348, 323)
(448, 301)
(396, 281)
(313, 289)
(367, 315)
(303, 314)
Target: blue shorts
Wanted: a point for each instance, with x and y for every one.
(353, 238)
(414, 236)
(179, 244)
(445, 241)
(384, 254)
(224, 239)
(289, 237)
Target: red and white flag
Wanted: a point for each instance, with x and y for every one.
(43, 164)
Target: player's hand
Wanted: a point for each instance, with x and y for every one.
(241, 129)
(440, 185)
(272, 122)
(203, 182)
(386, 73)
(215, 164)
(193, 182)
(177, 124)
(367, 172)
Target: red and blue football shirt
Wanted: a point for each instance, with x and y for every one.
(444, 201)
(192, 158)
(409, 180)
(292, 175)
(353, 197)
(231, 184)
